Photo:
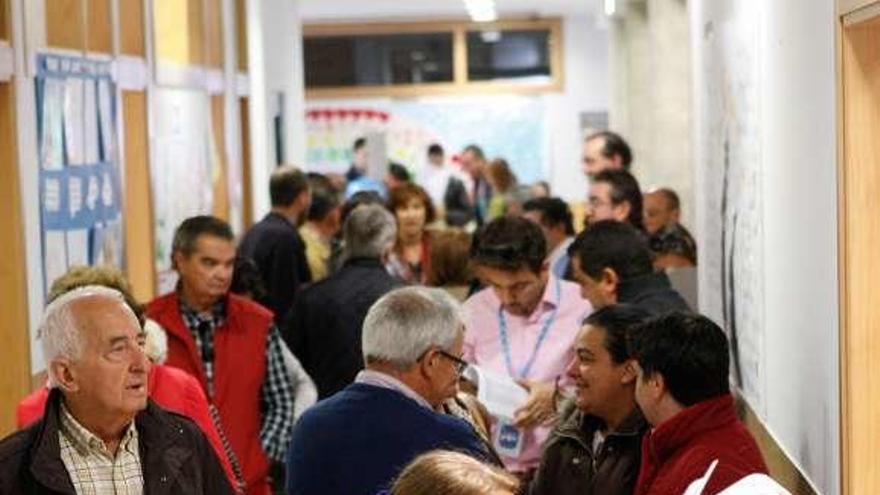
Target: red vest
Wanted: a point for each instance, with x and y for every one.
(239, 369)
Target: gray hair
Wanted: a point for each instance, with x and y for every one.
(405, 323)
(368, 232)
(60, 331)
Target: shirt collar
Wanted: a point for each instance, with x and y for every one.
(218, 312)
(85, 442)
(560, 251)
(384, 380)
(548, 300)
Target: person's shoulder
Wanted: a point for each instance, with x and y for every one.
(183, 381)
(482, 300)
(15, 446)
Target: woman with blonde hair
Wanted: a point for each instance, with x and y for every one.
(503, 182)
(442, 472)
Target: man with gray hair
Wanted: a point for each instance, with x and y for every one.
(357, 441)
(324, 328)
(100, 432)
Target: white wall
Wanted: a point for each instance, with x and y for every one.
(650, 100)
(275, 65)
(782, 127)
(800, 240)
(586, 90)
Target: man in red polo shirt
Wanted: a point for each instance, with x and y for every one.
(683, 390)
(230, 344)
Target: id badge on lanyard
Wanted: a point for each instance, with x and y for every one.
(508, 439)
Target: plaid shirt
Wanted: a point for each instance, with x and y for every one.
(93, 469)
(276, 392)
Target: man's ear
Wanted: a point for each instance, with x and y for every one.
(609, 279)
(630, 375)
(62, 375)
(656, 385)
(176, 258)
(621, 211)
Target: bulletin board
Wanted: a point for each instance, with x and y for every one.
(79, 185)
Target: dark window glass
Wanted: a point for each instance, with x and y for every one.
(378, 60)
(508, 55)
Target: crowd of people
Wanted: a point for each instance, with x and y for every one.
(333, 349)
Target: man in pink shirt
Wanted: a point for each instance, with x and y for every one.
(522, 325)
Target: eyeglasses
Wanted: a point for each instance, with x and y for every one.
(460, 364)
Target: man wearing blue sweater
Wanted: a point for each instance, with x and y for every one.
(357, 441)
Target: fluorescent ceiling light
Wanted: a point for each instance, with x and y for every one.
(481, 10)
(610, 7)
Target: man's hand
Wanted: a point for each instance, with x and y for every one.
(539, 408)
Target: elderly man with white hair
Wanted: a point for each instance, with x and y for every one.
(100, 432)
(357, 441)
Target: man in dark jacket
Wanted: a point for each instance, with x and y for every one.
(595, 448)
(357, 441)
(98, 410)
(274, 243)
(324, 327)
(612, 263)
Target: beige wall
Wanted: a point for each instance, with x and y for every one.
(650, 94)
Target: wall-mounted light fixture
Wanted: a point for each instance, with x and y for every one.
(481, 10)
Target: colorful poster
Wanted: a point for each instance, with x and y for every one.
(509, 127)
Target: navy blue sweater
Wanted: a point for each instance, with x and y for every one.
(358, 440)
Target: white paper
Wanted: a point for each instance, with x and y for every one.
(52, 143)
(90, 122)
(108, 133)
(54, 255)
(78, 247)
(499, 393)
(73, 121)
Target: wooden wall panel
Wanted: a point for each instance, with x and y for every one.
(15, 351)
(179, 31)
(241, 34)
(139, 241)
(196, 27)
(859, 202)
(219, 175)
(214, 33)
(247, 202)
(100, 26)
(131, 26)
(64, 24)
(4, 20)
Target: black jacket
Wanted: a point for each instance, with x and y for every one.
(653, 293)
(459, 210)
(568, 466)
(280, 254)
(175, 456)
(323, 329)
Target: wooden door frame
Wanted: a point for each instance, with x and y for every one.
(858, 460)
